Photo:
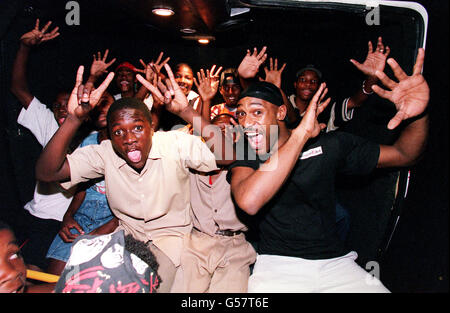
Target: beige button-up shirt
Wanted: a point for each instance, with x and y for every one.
(154, 204)
(212, 205)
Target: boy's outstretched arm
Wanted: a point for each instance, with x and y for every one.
(52, 164)
(19, 85)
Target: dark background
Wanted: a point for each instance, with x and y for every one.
(417, 258)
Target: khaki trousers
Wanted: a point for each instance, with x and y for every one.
(215, 264)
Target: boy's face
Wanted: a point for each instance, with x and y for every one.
(131, 136)
(185, 79)
(257, 116)
(59, 107)
(230, 93)
(306, 85)
(125, 79)
(226, 126)
(12, 268)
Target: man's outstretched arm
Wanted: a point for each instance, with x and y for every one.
(410, 95)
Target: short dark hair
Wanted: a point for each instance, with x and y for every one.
(131, 103)
(265, 91)
(229, 75)
(141, 250)
(309, 67)
(215, 118)
(179, 65)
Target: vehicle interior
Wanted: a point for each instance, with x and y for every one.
(326, 34)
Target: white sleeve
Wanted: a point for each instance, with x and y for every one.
(149, 101)
(39, 120)
(339, 114)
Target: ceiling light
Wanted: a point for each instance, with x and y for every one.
(163, 11)
(188, 30)
(203, 41)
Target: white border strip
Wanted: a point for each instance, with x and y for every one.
(374, 3)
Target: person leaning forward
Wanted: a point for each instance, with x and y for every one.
(146, 172)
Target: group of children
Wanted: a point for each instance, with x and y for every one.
(247, 182)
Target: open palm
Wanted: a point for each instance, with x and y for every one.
(309, 124)
(410, 94)
(99, 64)
(249, 66)
(375, 59)
(36, 36)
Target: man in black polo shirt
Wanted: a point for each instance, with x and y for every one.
(289, 183)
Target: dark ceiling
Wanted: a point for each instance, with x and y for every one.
(206, 17)
(213, 18)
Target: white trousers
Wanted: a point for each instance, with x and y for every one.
(281, 274)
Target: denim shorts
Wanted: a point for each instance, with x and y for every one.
(91, 215)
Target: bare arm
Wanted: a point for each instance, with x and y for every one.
(410, 96)
(68, 221)
(19, 85)
(408, 148)
(106, 228)
(252, 189)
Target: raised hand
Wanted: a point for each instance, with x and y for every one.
(85, 97)
(410, 94)
(167, 92)
(273, 74)
(155, 66)
(375, 59)
(208, 84)
(309, 124)
(250, 64)
(36, 36)
(99, 65)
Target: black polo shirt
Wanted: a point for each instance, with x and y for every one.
(300, 220)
